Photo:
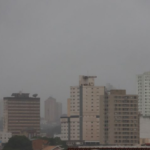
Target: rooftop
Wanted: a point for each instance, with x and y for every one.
(21, 95)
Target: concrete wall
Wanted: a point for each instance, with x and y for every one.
(144, 127)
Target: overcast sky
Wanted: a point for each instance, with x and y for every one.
(46, 44)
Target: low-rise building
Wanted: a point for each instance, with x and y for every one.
(53, 148)
(43, 134)
(29, 133)
(39, 144)
(57, 136)
(5, 136)
(144, 128)
(144, 141)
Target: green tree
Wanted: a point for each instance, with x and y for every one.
(18, 143)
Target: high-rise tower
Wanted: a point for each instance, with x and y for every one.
(82, 123)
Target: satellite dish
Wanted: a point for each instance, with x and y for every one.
(35, 95)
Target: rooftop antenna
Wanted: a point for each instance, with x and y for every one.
(20, 92)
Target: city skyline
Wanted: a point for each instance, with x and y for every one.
(55, 49)
(66, 101)
(100, 116)
(88, 83)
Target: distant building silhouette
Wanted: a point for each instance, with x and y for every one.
(53, 110)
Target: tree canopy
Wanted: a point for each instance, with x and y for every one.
(18, 143)
(57, 141)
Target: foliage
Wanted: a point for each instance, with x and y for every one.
(57, 141)
(18, 143)
(51, 130)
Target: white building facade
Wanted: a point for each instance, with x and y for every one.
(5, 136)
(143, 91)
(82, 122)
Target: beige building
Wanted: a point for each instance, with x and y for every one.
(144, 141)
(119, 121)
(21, 112)
(68, 107)
(82, 122)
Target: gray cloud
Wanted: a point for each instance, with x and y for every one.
(45, 45)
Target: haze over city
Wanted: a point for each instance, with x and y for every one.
(46, 45)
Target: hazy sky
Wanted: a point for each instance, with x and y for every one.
(46, 44)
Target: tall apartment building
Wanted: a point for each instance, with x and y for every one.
(53, 110)
(119, 121)
(21, 112)
(82, 122)
(50, 110)
(58, 111)
(1, 109)
(143, 91)
(68, 107)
